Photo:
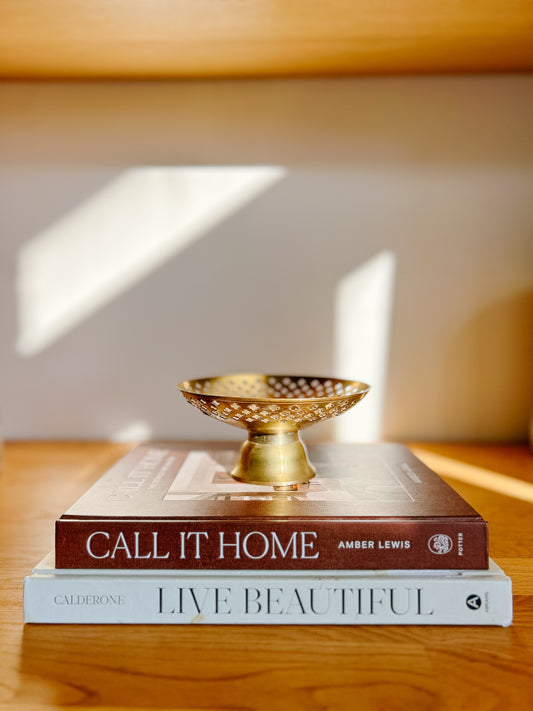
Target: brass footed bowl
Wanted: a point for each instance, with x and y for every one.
(273, 408)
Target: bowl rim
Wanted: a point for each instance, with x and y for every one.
(362, 390)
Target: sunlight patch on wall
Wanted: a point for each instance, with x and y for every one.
(135, 431)
(363, 321)
(117, 237)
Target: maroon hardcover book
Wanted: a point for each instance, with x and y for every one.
(370, 506)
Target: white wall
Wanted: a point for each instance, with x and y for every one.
(437, 172)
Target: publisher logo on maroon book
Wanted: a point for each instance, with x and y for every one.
(440, 544)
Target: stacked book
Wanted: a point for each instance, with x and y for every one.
(167, 536)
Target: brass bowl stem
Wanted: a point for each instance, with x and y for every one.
(274, 459)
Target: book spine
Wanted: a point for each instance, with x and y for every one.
(267, 599)
(273, 544)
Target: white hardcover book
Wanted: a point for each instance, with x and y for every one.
(268, 597)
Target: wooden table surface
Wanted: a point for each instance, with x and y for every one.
(93, 38)
(265, 667)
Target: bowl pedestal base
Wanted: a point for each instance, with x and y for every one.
(278, 460)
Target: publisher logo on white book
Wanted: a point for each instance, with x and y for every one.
(440, 544)
(473, 602)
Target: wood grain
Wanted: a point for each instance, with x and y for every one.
(223, 38)
(48, 667)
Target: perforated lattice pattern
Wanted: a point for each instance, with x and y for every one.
(231, 398)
